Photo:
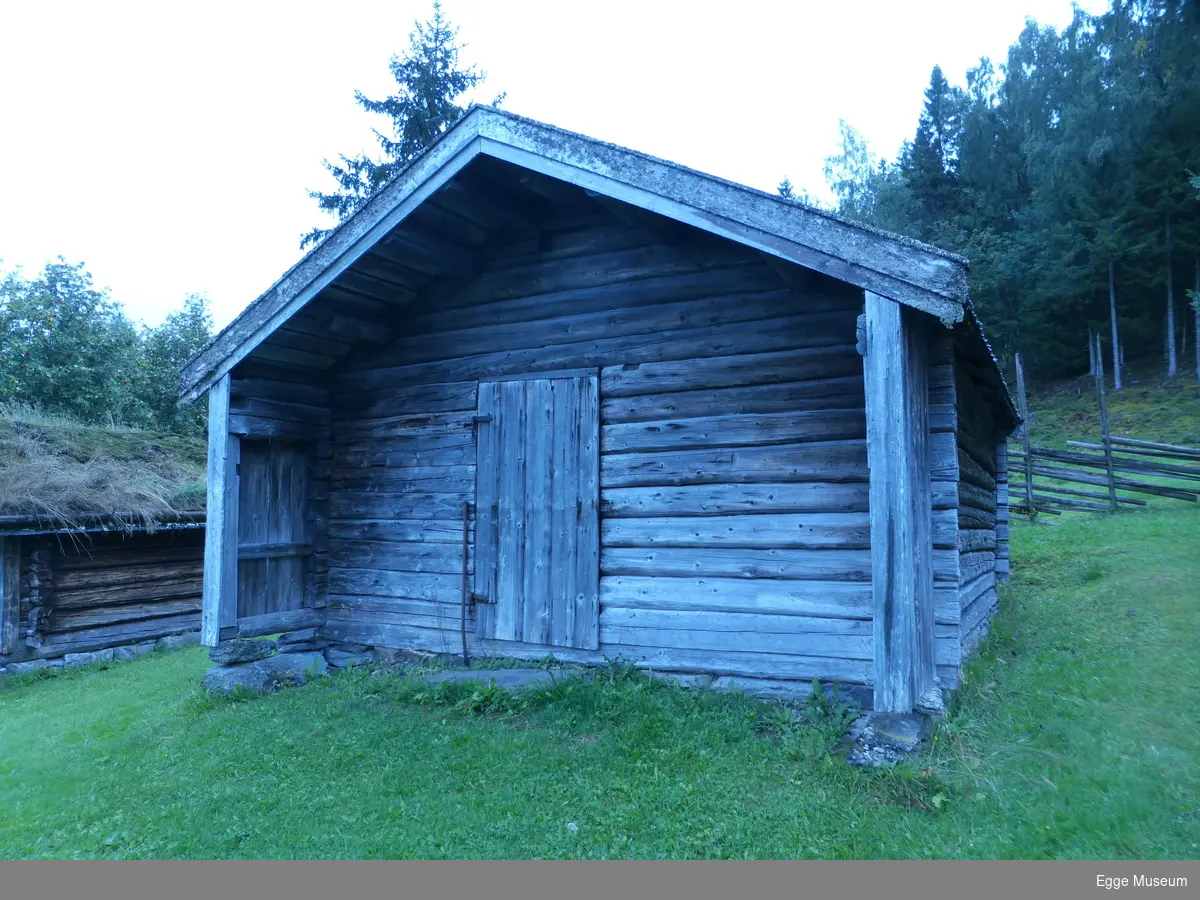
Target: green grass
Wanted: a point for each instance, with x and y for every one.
(1075, 736)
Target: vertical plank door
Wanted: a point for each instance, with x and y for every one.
(537, 511)
(273, 545)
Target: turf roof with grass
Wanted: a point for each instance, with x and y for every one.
(60, 474)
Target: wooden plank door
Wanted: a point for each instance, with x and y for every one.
(537, 539)
(273, 546)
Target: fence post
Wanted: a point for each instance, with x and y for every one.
(1023, 409)
(1105, 437)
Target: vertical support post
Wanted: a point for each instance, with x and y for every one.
(1003, 560)
(1023, 409)
(895, 372)
(1105, 436)
(220, 535)
(10, 593)
(466, 583)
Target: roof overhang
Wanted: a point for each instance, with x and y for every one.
(892, 266)
(125, 523)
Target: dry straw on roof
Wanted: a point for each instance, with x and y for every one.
(60, 473)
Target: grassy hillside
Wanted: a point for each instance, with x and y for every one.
(1149, 407)
(59, 470)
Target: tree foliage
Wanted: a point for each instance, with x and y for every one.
(1072, 156)
(429, 82)
(68, 348)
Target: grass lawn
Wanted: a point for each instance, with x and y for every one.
(1076, 736)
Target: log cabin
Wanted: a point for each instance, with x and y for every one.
(544, 395)
(73, 592)
(101, 539)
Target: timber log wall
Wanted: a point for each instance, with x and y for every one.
(79, 594)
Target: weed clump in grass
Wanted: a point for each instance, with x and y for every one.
(621, 701)
(809, 731)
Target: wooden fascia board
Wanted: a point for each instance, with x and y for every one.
(1009, 406)
(336, 254)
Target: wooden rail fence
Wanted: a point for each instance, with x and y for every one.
(1097, 477)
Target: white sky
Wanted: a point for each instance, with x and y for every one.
(170, 146)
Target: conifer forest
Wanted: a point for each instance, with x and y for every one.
(1068, 174)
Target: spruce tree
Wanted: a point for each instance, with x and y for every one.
(931, 162)
(429, 83)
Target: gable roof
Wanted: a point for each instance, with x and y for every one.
(904, 270)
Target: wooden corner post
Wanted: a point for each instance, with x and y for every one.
(220, 536)
(895, 370)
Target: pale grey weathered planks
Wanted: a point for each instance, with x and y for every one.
(220, 545)
(983, 499)
(538, 490)
(724, 442)
(895, 371)
(744, 461)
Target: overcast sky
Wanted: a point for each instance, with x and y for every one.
(171, 146)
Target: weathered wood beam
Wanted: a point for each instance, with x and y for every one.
(1118, 464)
(1190, 452)
(408, 270)
(474, 201)
(896, 373)
(638, 219)
(272, 352)
(274, 623)
(377, 283)
(274, 550)
(790, 275)
(220, 538)
(350, 298)
(357, 328)
(449, 256)
(10, 593)
(1124, 484)
(557, 192)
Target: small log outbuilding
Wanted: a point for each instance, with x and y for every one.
(546, 395)
(99, 584)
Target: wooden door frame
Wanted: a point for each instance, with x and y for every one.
(219, 617)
